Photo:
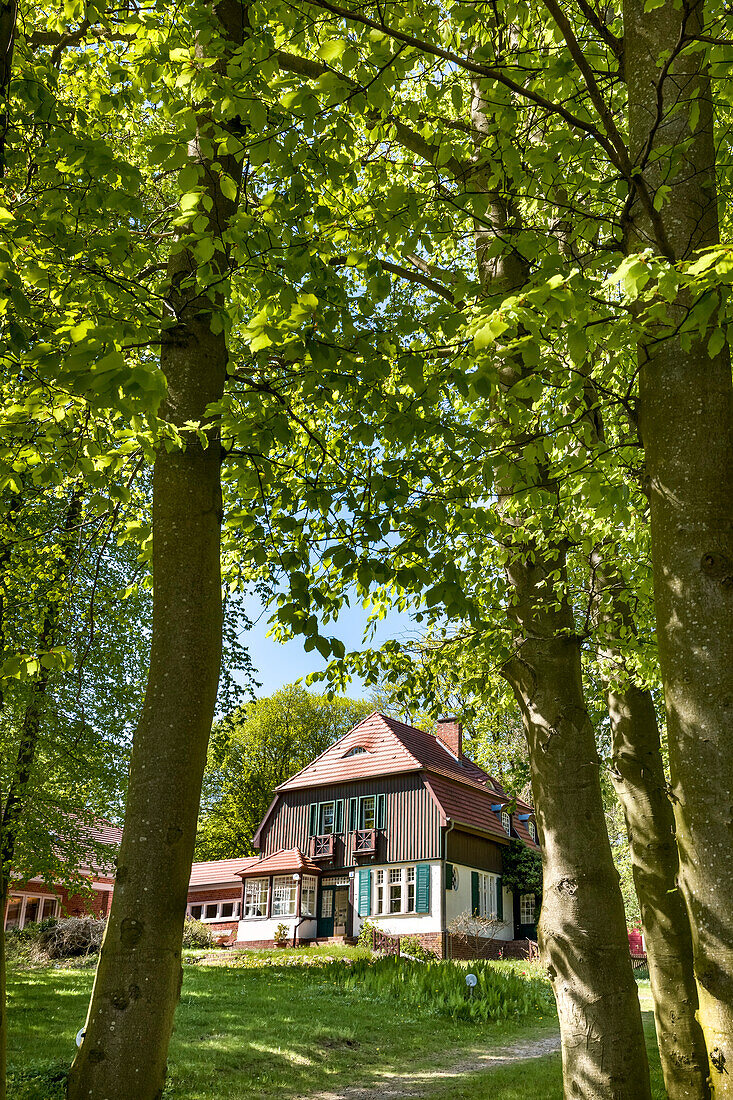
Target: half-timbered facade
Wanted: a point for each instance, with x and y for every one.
(392, 825)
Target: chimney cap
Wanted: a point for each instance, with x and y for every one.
(449, 718)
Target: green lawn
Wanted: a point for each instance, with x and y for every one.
(258, 1032)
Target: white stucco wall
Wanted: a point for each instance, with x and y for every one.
(459, 901)
(259, 928)
(406, 924)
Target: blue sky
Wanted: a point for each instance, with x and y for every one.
(279, 664)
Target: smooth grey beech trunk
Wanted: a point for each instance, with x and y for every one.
(582, 926)
(641, 786)
(139, 976)
(686, 399)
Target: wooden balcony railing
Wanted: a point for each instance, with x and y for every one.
(322, 846)
(365, 842)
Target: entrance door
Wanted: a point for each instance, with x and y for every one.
(340, 910)
(325, 913)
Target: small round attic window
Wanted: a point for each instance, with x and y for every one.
(356, 751)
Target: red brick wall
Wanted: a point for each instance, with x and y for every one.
(488, 949)
(79, 905)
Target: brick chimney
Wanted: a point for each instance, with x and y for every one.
(450, 732)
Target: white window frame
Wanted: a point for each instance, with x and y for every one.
(527, 908)
(284, 896)
(363, 803)
(405, 880)
(43, 898)
(253, 899)
(532, 830)
(506, 822)
(308, 892)
(488, 902)
(322, 831)
(219, 916)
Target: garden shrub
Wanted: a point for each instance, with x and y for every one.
(365, 935)
(439, 988)
(197, 934)
(416, 949)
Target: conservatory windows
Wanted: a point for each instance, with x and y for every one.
(284, 892)
(255, 897)
(308, 896)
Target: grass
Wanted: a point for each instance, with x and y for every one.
(255, 1032)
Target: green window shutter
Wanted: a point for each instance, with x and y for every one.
(474, 894)
(313, 819)
(364, 900)
(499, 899)
(422, 888)
(381, 810)
(449, 876)
(339, 816)
(353, 814)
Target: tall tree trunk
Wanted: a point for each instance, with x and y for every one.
(582, 927)
(30, 729)
(139, 975)
(641, 786)
(686, 400)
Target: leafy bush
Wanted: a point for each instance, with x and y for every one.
(439, 988)
(282, 933)
(365, 935)
(413, 946)
(197, 934)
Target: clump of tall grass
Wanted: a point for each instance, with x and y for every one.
(440, 989)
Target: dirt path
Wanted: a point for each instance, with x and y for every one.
(415, 1083)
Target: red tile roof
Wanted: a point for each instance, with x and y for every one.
(283, 862)
(391, 747)
(466, 807)
(219, 872)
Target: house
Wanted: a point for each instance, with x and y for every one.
(35, 900)
(394, 826)
(390, 825)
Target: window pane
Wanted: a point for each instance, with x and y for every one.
(210, 911)
(283, 896)
(196, 911)
(227, 908)
(32, 910)
(368, 818)
(327, 817)
(49, 908)
(255, 897)
(12, 919)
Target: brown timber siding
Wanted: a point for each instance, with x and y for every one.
(474, 851)
(411, 829)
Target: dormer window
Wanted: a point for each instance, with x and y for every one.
(532, 830)
(356, 751)
(506, 822)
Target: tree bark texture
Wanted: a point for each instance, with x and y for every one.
(686, 399)
(582, 927)
(641, 786)
(139, 976)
